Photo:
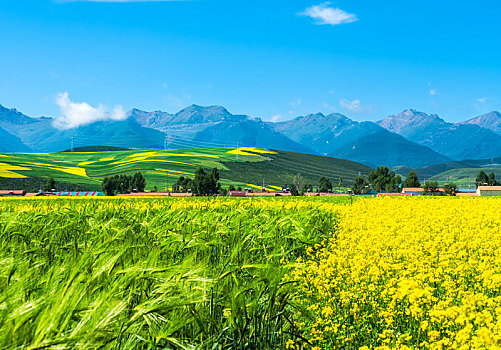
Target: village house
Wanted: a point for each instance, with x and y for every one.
(488, 191)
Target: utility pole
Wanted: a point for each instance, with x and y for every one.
(263, 183)
(73, 143)
(237, 152)
(165, 141)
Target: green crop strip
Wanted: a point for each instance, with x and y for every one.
(153, 273)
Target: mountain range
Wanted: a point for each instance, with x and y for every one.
(410, 138)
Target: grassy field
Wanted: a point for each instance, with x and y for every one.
(162, 168)
(246, 273)
(461, 176)
(153, 273)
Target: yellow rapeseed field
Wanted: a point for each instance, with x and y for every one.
(7, 170)
(250, 151)
(404, 273)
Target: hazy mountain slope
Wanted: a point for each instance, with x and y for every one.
(365, 142)
(11, 143)
(250, 133)
(127, 133)
(182, 127)
(385, 148)
(491, 121)
(456, 141)
(214, 126)
(14, 117)
(324, 134)
(155, 120)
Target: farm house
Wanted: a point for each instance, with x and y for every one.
(12, 193)
(155, 194)
(489, 191)
(75, 194)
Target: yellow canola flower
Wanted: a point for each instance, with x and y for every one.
(70, 170)
(86, 163)
(250, 151)
(422, 273)
(7, 170)
(141, 160)
(167, 154)
(106, 159)
(143, 154)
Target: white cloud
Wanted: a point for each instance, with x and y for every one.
(75, 114)
(433, 92)
(324, 14)
(277, 118)
(482, 100)
(353, 106)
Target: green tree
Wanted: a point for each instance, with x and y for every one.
(382, 179)
(398, 183)
(450, 188)
(50, 185)
(307, 188)
(138, 182)
(430, 186)
(411, 180)
(492, 180)
(324, 185)
(109, 185)
(482, 179)
(292, 188)
(206, 183)
(340, 184)
(231, 188)
(358, 185)
(183, 184)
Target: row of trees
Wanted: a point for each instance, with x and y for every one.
(379, 180)
(298, 185)
(204, 183)
(484, 179)
(123, 184)
(207, 183)
(384, 180)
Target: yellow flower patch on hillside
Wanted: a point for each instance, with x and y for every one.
(166, 154)
(86, 163)
(143, 154)
(140, 160)
(70, 170)
(106, 159)
(250, 151)
(7, 170)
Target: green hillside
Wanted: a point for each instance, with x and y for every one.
(463, 176)
(162, 168)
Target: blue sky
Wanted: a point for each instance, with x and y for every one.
(269, 59)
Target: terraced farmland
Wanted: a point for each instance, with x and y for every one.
(161, 168)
